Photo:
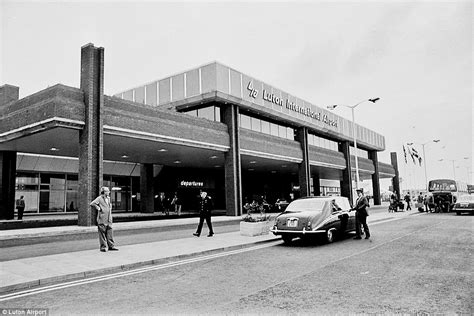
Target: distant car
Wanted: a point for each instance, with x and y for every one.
(312, 216)
(280, 205)
(464, 204)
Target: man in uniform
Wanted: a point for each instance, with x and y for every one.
(104, 220)
(361, 215)
(205, 207)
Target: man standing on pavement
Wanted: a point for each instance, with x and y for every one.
(205, 207)
(361, 215)
(104, 220)
(20, 206)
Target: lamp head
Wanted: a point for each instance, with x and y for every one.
(436, 140)
(374, 100)
(332, 107)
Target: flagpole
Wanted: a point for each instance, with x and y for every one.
(426, 177)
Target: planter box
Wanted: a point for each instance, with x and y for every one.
(255, 228)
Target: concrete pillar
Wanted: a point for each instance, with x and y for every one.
(7, 184)
(316, 184)
(147, 195)
(91, 136)
(375, 177)
(304, 173)
(346, 183)
(232, 167)
(396, 179)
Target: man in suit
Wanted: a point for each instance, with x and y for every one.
(104, 220)
(205, 207)
(361, 215)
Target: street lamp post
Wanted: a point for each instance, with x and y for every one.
(454, 169)
(424, 157)
(352, 107)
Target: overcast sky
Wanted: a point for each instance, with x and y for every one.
(415, 56)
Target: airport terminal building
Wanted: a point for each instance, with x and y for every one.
(210, 128)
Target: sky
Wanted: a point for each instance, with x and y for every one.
(416, 56)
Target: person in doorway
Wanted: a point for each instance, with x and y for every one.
(205, 207)
(176, 203)
(361, 215)
(163, 204)
(20, 206)
(408, 200)
(104, 220)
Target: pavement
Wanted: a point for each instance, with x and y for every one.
(25, 273)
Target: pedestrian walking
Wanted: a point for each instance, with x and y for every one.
(408, 200)
(361, 215)
(20, 206)
(104, 220)
(205, 207)
(176, 203)
(164, 204)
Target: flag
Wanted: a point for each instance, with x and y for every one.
(410, 151)
(405, 153)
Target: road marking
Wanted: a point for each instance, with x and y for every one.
(169, 265)
(130, 272)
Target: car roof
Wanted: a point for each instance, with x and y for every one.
(329, 198)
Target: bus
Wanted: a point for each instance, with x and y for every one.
(446, 192)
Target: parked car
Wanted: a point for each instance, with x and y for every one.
(312, 216)
(464, 204)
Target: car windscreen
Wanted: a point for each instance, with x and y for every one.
(305, 205)
(466, 198)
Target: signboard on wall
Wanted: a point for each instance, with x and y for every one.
(290, 105)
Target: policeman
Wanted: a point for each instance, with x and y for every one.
(205, 207)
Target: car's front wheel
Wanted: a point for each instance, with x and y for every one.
(286, 239)
(330, 235)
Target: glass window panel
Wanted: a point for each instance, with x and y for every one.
(207, 113)
(290, 133)
(317, 141)
(26, 178)
(72, 198)
(274, 129)
(265, 127)
(57, 182)
(217, 114)
(31, 199)
(120, 193)
(255, 123)
(245, 121)
(72, 182)
(282, 131)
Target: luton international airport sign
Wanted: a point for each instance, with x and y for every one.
(292, 106)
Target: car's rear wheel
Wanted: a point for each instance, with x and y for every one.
(286, 239)
(330, 235)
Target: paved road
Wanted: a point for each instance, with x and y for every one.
(34, 247)
(417, 264)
